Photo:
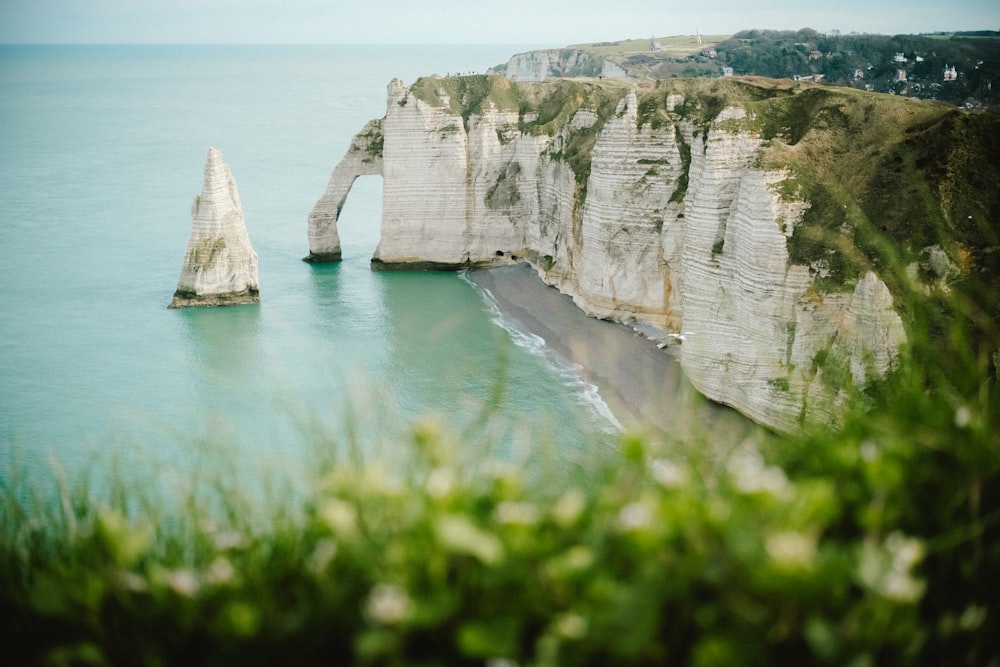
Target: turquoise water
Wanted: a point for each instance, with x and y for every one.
(102, 153)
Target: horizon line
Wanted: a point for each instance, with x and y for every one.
(483, 44)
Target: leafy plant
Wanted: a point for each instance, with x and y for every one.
(875, 544)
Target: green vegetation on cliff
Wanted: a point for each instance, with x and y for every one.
(467, 96)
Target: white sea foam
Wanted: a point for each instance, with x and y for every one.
(572, 375)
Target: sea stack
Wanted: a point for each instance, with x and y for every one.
(220, 267)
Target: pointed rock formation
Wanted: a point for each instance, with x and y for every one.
(220, 267)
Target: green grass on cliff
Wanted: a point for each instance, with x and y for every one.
(468, 95)
(676, 46)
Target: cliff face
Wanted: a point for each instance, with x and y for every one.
(220, 265)
(551, 63)
(694, 207)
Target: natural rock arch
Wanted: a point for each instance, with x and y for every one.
(363, 158)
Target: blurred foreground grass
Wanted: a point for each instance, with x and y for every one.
(877, 544)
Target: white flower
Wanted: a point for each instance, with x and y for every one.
(635, 516)
(130, 581)
(388, 604)
(751, 475)
(524, 514)
(790, 549)
(340, 516)
(571, 626)
(500, 662)
(183, 582)
(869, 450)
(220, 571)
(569, 507)
(668, 474)
(440, 482)
(888, 568)
(906, 551)
(460, 535)
(228, 539)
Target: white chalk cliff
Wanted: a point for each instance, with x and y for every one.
(551, 63)
(220, 266)
(672, 222)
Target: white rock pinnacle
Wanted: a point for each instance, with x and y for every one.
(220, 266)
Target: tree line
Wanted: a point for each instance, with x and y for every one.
(913, 65)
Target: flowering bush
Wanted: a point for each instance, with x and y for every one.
(873, 545)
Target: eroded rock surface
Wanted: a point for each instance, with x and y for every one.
(220, 266)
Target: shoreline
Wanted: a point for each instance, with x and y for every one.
(643, 385)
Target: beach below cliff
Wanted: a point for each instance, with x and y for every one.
(641, 382)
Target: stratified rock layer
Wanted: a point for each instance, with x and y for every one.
(551, 63)
(665, 217)
(220, 266)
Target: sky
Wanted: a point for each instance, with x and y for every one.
(535, 22)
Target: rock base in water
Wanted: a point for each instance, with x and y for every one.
(189, 299)
(322, 257)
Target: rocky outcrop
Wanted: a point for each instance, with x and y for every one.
(220, 266)
(664, 206)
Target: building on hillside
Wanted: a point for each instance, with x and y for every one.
(727, 71)
(901, 75)
(949, 73)
(655, 45)
(899, 58)
(709, 52)
(858, 74)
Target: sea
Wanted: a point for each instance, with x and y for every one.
(102, 150)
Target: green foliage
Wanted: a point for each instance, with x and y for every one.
(881, 176)
(784, 54)
(467, 95)
(557, 107)
(682, 178)
(873, 544)
(651, 111)
(374, 145)
(504, 192)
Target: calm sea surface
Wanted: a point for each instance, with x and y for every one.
(101, 153)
